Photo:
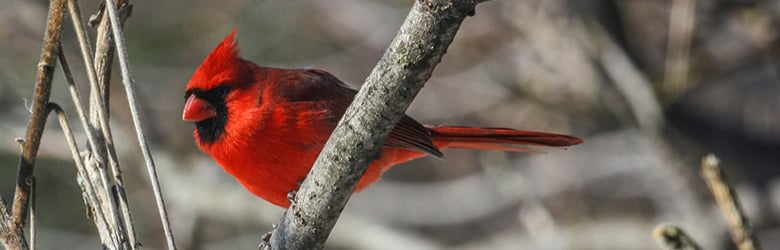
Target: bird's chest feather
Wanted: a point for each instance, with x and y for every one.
(271, 149)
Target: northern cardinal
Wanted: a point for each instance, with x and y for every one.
(266, 126)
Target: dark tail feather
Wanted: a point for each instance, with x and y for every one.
(497, 138)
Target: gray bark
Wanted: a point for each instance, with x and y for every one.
(357, 140)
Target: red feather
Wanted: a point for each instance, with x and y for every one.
(266, 126)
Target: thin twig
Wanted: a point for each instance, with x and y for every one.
(673, 237)
(99, 97)
(10, 237)
(38, 117)
(627, 77)
(98, 200)
(741, 230)
(95, 87)
(33, 205)
(101, 201)
(404, 68)
(125, 229)
(86, 54)
(129, 82)
(113, 233)
(678, 50)
(89, 181)
(103, 60)
(104, 51)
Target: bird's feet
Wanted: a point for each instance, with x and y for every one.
(265, 241)
(291, 196)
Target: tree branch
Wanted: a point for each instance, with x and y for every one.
(741, 230)
(673, 237)
(100, 140)
(104, 200)
(129, 82)
(93, 178)
(678, 51)
(11, 237)
(401, 72)
(38, 117)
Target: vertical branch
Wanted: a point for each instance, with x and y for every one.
(628, 79)
(86, 54)
(38, 117)
(10, 236)
(33, 208)
(94, 197)
(95, 189)
(129, 82)
(112, 233)
(681, 22)
(100, 196)
(104, 58)
(97, 150)
(401, 72)
(741, 231)
(99, 99)
(101, 140)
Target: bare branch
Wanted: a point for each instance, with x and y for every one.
(741, 230)
(38, 117)
(678, 50)
(11, 237)
(129, 82)
(403, 70)
(33, 205)
(673, 237)
(101, 144)
(98, 107)
(104, 200)
(93, 179)
(628, 79)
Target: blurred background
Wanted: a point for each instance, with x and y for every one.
(652, 86)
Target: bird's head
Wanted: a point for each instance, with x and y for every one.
(212, 86)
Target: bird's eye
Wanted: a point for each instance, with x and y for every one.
(221, 91)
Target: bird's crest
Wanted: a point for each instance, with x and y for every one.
(226, 51)
(219, 66)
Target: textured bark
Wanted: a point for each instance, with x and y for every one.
(741, 229)
(357, 140)
(38, 117)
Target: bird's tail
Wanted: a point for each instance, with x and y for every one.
(496, 138)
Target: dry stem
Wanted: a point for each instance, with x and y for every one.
(741, 231)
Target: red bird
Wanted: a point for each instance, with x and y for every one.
(266, 126)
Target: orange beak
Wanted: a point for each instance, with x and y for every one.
(196, 109)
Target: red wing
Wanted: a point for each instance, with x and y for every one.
(407, 134)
